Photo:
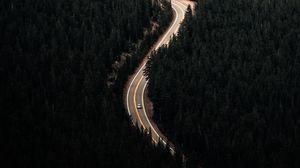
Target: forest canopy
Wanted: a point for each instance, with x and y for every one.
(56, 108)
(227, 89)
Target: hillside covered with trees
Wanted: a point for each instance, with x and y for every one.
(227, 90)
(56, 107)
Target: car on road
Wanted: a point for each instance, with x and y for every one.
(139, 106)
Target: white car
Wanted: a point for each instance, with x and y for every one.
(139, 106)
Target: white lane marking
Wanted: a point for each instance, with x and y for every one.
(143, 91)
(180, 8)
(184, 4)
(169, 29)
(145, 63)
(135, 104)
(182, 11)
(143, 98)
(144, 110)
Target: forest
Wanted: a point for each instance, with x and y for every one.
(227, 89)
(56, 107)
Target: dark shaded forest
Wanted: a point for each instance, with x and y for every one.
(227, 90)
(56, 107)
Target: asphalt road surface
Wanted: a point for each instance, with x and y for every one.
(135, 93)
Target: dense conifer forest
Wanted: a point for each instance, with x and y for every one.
(56, 107)
(227, 90)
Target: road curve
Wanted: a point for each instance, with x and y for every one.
(136, 86)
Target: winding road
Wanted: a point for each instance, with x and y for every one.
(136, 86)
